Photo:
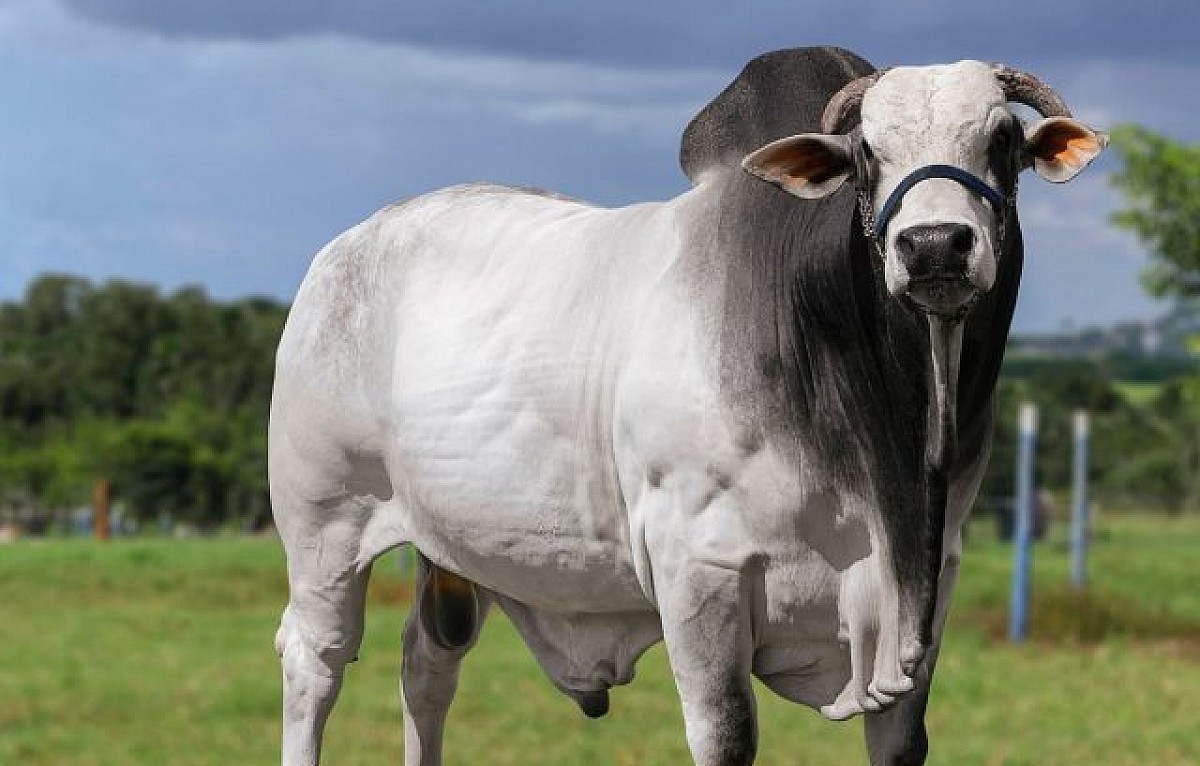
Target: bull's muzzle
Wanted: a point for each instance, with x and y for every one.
(941, 267)
(937, 259)
(936, 251)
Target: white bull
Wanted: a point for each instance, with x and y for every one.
(701, 421)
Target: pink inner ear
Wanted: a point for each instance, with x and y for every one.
(1066, 143)
(806, 161)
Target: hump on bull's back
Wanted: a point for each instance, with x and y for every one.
(775, 95)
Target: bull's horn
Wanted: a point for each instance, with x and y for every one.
(1024, 88)
(843, 103)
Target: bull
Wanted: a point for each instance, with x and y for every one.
(748, 421)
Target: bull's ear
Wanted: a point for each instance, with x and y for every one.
(1059, 147)
(810, 165)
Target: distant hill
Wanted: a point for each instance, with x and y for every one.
(1171, 335)
(1151, 351)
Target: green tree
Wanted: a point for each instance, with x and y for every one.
(1160, 179)
(39, 341)
(165, 395)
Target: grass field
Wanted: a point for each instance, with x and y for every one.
(1137, 393)
(159, 652)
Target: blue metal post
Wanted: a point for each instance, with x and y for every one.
(1079, 507)
(1023, 536)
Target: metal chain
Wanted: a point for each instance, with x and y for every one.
(1002, 224)
(867, 215)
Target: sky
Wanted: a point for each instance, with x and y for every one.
(223, 142)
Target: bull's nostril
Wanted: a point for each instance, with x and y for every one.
(905, 244)
(962, 240)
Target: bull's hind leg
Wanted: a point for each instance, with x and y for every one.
(329, 562)
(442, 627)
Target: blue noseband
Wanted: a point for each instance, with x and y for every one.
(972, 182)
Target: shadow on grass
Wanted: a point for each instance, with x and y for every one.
(1064, 616)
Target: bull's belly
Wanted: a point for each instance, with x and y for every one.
(562, 573)
(527, 530)
(503, 497)
(798, 656)
(811, 673)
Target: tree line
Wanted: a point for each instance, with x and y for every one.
(165, 395)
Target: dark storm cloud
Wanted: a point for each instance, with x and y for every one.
(688, 33)
(225, 142)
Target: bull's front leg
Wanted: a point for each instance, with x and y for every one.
(896, 736)
(703, 582)
(706, 627)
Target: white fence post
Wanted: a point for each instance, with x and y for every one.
(1023, 536)
(1079, 507)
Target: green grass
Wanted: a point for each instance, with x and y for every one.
(1137, 393)
(159, 652)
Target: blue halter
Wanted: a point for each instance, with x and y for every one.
(969, 180)
(874, 227)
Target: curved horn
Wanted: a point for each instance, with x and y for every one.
(1024, 88)
(843, 103)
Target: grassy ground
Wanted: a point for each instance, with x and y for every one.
(159, 652)
(1137, 393)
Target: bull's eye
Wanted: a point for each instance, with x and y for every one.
(1002, 140)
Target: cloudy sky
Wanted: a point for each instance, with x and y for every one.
(222, 142)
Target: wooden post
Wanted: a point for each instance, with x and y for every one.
(100, 508)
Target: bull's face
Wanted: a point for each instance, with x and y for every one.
(935, 162)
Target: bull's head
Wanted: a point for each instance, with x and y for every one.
(935, 162)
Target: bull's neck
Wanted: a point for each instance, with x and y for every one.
(810, 337)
